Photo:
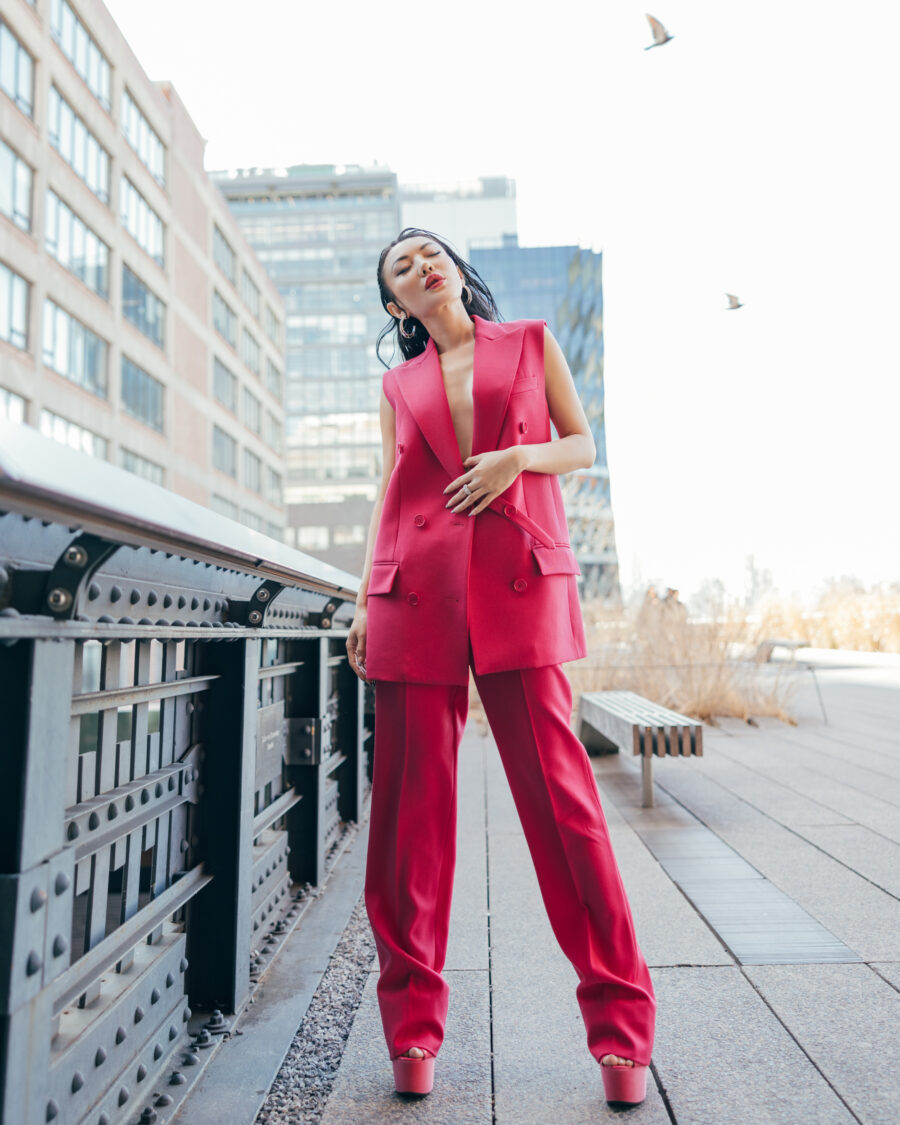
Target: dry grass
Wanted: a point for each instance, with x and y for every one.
(860, 620)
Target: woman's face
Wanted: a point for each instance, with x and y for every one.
(422, 276)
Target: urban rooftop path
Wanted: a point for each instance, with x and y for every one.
(765, 886)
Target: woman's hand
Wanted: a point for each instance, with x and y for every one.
(356, 643)
(489, 474)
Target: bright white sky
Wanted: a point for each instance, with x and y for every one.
(754, 154)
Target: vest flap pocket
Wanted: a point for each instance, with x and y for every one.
(558, 560)
(382, 577)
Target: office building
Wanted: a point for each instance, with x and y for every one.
(563, 285)
(466, 213)
(136, 324)
(319, 231)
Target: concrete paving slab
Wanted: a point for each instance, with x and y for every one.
(867, 853)
(468, 944)
(846, 1018)
(862, 916)
(890, 970)
(543, 1071)
(364, 1087)
(724, 1059)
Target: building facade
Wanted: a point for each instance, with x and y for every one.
(563, 285)
(319, 230)
(136, 324)
(466, 214)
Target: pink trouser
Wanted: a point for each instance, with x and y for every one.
(412, 851)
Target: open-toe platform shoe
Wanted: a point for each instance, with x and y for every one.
(413, 1076)
(626, 1084)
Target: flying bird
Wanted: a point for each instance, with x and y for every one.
(733, 302)
(660, 35)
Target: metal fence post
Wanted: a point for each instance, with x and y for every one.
(37, 678)
(219, 930)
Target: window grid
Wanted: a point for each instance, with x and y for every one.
(224, 507)
(273, 433)
(77, 145)
(16, 71)
(273, 379)
(12, 406)
(224, 452)
(250, 293)
(80, 48)
(250, 351)
(142, 308)
(224, 319)
(224, 256)
(14, 291)
(273, 486)
(142, 222)
(142, 395)
(73, 350)
(273, 326)
(224, 385)
(141, 467)
(71, 434)
(252, 412)
(75, 246)
(143, 138)
(15, 188)
(252, 471)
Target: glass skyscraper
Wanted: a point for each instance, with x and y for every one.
(318, 230)
(563, 285)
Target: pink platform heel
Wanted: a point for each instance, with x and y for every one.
(412, 1075)
(626, 1084)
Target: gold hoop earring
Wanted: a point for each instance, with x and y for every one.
(468, 298)
(406, 335)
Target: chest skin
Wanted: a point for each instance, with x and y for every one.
(457, 371)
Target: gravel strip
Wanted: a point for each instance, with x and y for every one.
(304, 1083)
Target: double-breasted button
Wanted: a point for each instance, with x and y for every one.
(412, 597)
(509, 510)
(419, 521)
(523, 427)
(520, 585)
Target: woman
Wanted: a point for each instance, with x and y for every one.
(468, 562)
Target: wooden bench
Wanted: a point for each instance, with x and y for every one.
(613, 720)
(765, 648)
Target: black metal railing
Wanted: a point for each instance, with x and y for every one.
(182, 738)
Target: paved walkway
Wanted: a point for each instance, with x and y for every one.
(766, 892)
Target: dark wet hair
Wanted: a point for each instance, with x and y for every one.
(482, 303)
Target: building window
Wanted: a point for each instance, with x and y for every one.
(224, 452)
(312, 538)
(142, 395)
(252, 520)
(250, 293)
(16, 71)
(75, 246)
(273, 433)
(224, 385)
(224, 319)
(273, 486)
(250, 351)
(77, 145)
(224, 507)
(223, 255)
(79, 47)
(252, 412)
(274, 531)
(142, 222)
(273, 379)
(252, 471)
(142, 308)
(12, 406)
(76, 437)
(273, 326)
(73, 350)
(141, 467)
(13, 308)
(15, 188)
(143, 138)
(346, 535)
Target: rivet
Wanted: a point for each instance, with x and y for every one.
(73, 831)
(195, 601)
(167, 600)
(52, 1110)
(177, 1079)
(100, 1057)
(158, 789)
(135, 596)
(59, 599)
(34, 964)
(141, 1073)
(93, 592)
(115, 593)
(123, 1095)
(154, 996)
(145, 796)
(75, 556)
(93, 821)
(138, 1014)
(173, 1032)
(148, 1115)
(171, 781)
(163, 1099)
(183, 964)
(152, 598)
(157, 1052)
(38, 898)
(77, 1081)
(60, 945)
(129, 803)
(186, 1015)
(262, 595)
(206, 603)
(121, 1034)
(254, 617)
(170, 980)
(112, 812)
(62, 882)
(182, 601)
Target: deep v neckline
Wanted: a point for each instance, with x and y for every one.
(471, 403)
